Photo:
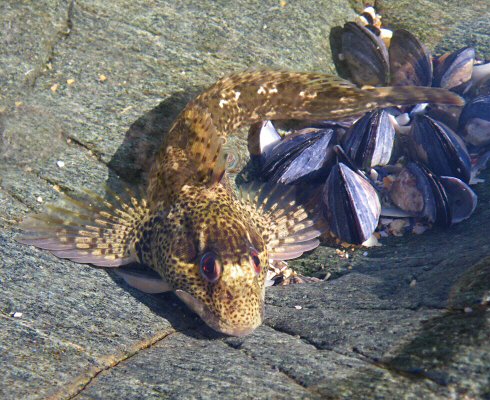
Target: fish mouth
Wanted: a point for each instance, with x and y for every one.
(211, 319)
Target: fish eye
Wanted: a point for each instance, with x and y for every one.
(255, 260)
(210, 267)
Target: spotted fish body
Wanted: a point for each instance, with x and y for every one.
(208, 245)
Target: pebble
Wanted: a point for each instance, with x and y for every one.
(17, 314)
(60, 164)
(468, 310)
(39, 199)
(298, 307)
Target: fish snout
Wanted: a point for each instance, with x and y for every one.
(231, 314)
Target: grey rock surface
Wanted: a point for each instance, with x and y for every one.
(94, 84)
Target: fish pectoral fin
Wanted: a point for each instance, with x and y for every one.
(89, 229)
(144, 282)
(290, 217)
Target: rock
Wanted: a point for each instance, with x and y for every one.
(95, 84)
(442, 25)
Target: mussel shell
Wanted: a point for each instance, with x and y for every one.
(369, 142)
(462, 200)
(437, 147)
(421, 194)
(268, 136)
(480, 81)
(454, 69)
(300, 158)
(352, 206)
(365, 55)
(474, 122)
(443, 216)
(410, 60)
(412, 191)
(262, 136)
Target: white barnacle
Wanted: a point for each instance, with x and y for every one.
(237, 95)
(371, 105)
(302, 94)
(273, 90)
(222, 103)
(261, 90)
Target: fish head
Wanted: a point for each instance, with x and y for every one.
(216, 260)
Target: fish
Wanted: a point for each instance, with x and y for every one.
(209, 243)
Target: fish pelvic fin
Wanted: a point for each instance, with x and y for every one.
(290, 217)
(90, 229)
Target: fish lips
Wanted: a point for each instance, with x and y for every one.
(211, 319)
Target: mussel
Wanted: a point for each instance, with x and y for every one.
(474, 122)
(305, 156)
(352, 206)
(410, 60)
(437, 147)
(461, 199)
(441, 200)
(454, 69)
(365, 55)
(415, 191)
(369, 142)
(480, 80)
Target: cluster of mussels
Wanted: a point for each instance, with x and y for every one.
(397, 169)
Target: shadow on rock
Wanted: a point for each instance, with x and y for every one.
(133, 159)
(441, 358)
(445, 342)
(167, 306)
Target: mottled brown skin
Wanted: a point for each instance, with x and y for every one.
(201, 220)
(188, 210)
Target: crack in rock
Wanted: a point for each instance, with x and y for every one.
(61, 33)
(273, 367)
(72, 389)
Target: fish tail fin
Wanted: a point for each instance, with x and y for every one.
(407, 95)
(290, 217)
(253, 96)
(89, 228)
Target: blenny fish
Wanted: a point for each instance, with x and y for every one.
(208, 244)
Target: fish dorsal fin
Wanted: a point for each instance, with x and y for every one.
(289, 216)
(206, 149)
